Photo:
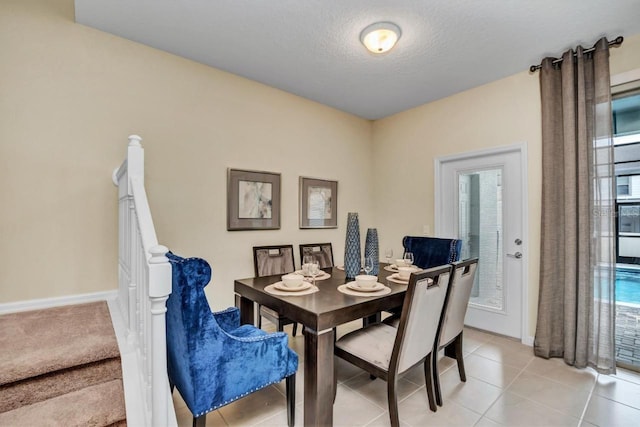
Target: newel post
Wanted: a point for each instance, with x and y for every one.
(159, 290)
(135, 157)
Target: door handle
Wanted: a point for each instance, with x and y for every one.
(517, 255)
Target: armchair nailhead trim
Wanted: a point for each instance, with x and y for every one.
(213, 408)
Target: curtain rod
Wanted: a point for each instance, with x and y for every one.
(613, 43)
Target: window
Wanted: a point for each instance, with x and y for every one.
(622, 186)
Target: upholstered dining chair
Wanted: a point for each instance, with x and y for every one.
(211, 359)
(267, 261)
(323, 252)
(430, 252)
(386, 352)
(464, 273)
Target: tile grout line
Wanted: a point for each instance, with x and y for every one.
(540, 403)
(482, 415)
(502, 392)
(364, 397)
(586, 405)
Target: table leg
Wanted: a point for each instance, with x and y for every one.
(371, 320)
(318, 377)
(246, 311)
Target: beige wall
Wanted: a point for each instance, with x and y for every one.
(70, 96)
(500, 113)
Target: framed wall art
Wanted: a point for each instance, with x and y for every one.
(318, 203)
(253, 200)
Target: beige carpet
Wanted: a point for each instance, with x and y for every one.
(46, 386)
(60, 366)
(97, 406)
(42, 341)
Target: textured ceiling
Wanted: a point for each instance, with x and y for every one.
(311, 48)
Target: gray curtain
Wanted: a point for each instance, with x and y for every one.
(576, 308)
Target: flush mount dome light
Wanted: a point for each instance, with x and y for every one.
(380, 37)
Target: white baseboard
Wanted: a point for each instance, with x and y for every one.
(528, 341)
(37, 304)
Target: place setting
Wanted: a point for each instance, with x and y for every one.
(402, 277)
(406, 261)
(365, 284)
(291, 285)
(309, 265)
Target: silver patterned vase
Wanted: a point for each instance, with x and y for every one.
(352, 246)
(371, 249)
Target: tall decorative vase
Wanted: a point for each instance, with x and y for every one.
(371, 249)
(352, 246)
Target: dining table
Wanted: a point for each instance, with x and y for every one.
(320, 312)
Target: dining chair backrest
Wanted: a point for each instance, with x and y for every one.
(421, 316)
(464, 273)
(429, 252)
(323, 252)
(270, 260)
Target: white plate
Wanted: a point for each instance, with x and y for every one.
(393, 267)
(354, 287)
(321, 274)
(396, 276)
(281, 287)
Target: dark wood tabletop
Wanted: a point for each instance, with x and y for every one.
(319, 312)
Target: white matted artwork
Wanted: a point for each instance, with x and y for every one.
(318, 203)
(253, 200)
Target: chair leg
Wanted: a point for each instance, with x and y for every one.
(428, 368)
(460, 358)
(435, 376)
(200, 421)
(290, 383)
(295, 328)
(335, 379)
(454, 351)
(392, 400)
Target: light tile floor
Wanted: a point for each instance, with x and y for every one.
(506, 386)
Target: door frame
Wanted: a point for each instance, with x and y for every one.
(520, 148)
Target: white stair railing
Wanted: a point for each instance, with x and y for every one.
(144, 276)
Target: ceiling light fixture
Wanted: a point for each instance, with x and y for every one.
(380, 37)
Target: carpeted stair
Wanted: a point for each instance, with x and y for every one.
(60, 367)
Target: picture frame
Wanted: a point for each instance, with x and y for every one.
(318, 203)
(253, 200)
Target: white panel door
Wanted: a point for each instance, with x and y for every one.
(480, 199)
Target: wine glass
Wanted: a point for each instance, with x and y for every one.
(388, 254)
(314, 269)
(306, 261)
(368, 265)
(408, 258)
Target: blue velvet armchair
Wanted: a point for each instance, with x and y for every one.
(211, 359)
(429, 252)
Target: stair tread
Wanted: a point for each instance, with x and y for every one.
(98, 405)
(47, 386)
(42, 341)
